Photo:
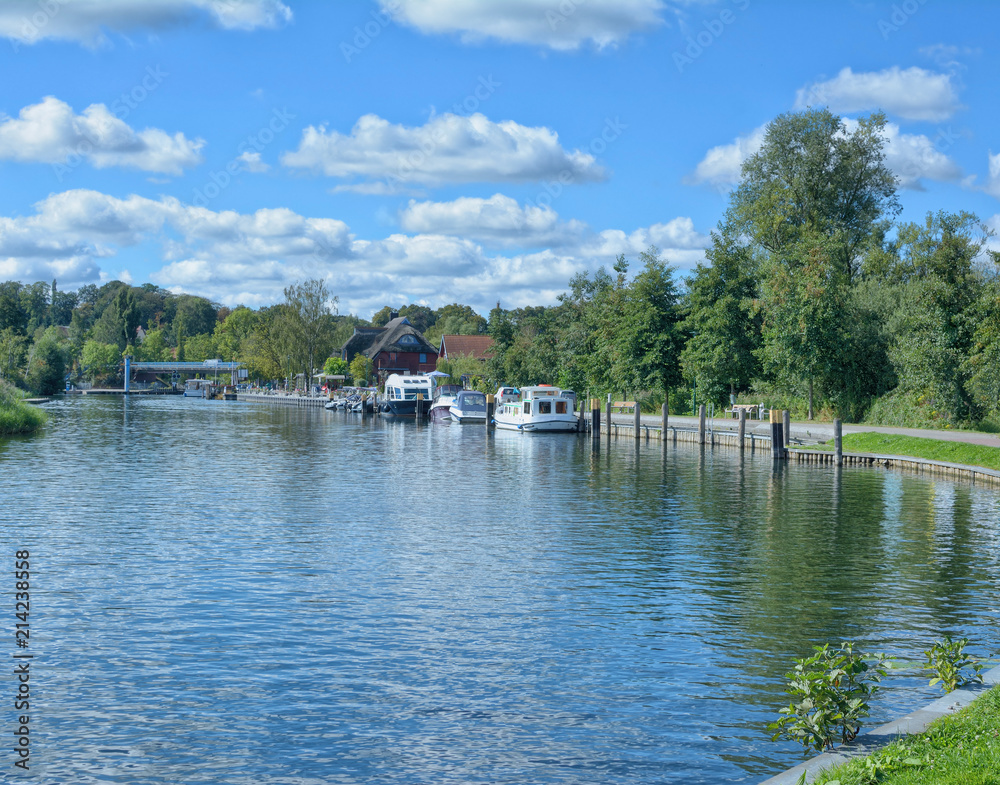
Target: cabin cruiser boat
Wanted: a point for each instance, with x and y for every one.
(443, 399)
(469, 406)
(198, 388)
(401, 393)
(541, 408)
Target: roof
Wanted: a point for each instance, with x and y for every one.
(394, 339)
(361, 339)
(478, 346)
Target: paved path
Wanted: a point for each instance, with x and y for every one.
(818, 431)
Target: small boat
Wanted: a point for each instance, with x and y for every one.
(469, 406)
(443, 399)
(541, 408)
(198, 388)
(401, 393)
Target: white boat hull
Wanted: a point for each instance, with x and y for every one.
(537, 424)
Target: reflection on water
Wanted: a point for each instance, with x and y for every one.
(237, 593)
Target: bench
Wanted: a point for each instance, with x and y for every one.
(623, 406)
(752, 410)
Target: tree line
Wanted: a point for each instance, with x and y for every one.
(813, 296)
(48, 336)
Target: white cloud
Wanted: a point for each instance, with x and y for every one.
(915, 157)
(448, 149)
(498, 220)
(556, 24)
(911, 157)
(913, 93)
(231, 257)
(992, 184)
(721, 166)
(49, 132)
(251, 162)
(31, 21)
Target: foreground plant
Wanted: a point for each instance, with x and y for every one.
(949, 661)
(831, 691)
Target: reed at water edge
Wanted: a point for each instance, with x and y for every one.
(16, 416)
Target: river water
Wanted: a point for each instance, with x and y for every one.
(237, 593)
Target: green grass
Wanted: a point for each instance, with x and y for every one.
(962, 749)
(918, 447)
(16, 416)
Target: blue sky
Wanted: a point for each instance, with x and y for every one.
(438, 151)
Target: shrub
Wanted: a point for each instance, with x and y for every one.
(832, 690)
(16, 416)
(948, 661)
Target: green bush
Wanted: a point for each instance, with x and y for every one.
(831, 691)
(949, 662)
(16, 416)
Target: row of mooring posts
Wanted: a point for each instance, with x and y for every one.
(781, 425)
(781, 428)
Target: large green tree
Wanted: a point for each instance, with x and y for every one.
(306, 326)
(723, 319)
(818, 174)
(47, 363)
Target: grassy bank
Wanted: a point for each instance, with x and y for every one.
(963, 749)
(917, 447)
(16, 416)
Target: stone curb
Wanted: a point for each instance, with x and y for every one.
(869, 741)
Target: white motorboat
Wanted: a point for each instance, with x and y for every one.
(541, 408)
(401, 391)
(443, 400)
(469, 406)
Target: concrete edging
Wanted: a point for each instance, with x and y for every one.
(870, 741)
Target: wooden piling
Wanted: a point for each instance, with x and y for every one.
(838, 442)
(743, 427)
(420, 406)
(595, 420)
(786, 420)
(664, 420)
(609, 415)
(777, 436)
(638, 424)
(701, 424)
(491, 406)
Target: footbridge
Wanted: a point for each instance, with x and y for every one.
(206, 367)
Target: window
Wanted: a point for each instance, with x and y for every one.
(545, 407)
(527, 407)
(560, 407)
(408, 339)
(423, 357)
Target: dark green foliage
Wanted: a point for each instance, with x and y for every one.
(723, 320)
(47, 364)
(13, 315)
(813, 175)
